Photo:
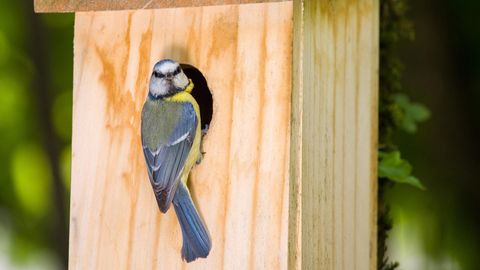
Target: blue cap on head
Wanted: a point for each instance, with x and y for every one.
(166, 66)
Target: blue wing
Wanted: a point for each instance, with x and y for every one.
(165, 163)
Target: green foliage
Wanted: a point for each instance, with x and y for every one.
(61, 114)
(4, 49)
(384, 226)
(11, 106)
(393, 167)
(407, 114)
(394, 27)
(66, 166)
(32, 178)
(396, 112)
(35, 73)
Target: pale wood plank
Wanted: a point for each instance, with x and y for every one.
(334, 135)
(99, 5)
(241, 187)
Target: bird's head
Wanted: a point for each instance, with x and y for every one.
(167, 79)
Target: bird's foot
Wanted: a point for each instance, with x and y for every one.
(200, 157)
(205, 130)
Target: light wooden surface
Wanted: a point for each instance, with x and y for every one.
(241, 187)
(332, 222)
(97, 5)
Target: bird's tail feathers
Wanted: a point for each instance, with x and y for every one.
(196, 239)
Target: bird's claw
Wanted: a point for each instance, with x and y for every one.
(200, 158)
(205, 130)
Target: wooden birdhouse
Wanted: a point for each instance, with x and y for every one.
(288, 180)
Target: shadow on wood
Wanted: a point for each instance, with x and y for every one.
(202, 94)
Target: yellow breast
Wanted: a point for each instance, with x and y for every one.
(194, 154)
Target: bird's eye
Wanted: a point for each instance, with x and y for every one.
(158, 74)
(176, 71)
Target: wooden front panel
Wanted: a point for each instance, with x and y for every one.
(241, 187)
(334, 135)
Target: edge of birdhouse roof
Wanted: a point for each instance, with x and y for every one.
(45, 6)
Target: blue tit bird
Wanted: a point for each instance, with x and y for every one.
(171, 136)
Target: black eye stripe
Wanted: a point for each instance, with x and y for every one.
(158, 74)
(176, 71)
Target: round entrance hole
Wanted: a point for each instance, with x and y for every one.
(201, 93)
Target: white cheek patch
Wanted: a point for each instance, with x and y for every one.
(181, 81)
(158, 87)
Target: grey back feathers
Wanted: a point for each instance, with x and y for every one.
(161, 118)
(168, 131)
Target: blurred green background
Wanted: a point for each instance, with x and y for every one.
(433, 229)
(439, 229)
(36, 62)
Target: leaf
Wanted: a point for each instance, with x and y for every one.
(414, 181)
(407, 114)
(394, 168)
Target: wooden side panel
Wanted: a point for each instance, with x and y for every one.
(241, 187)
(98, 5)
(334, 135)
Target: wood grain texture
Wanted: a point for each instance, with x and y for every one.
(334, 135)
(241, 187)
(98, 5)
